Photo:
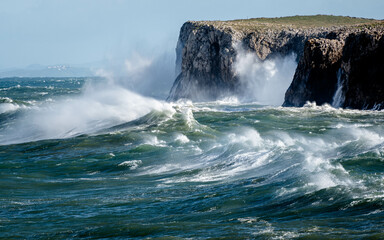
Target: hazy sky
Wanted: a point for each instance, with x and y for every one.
(84, 31)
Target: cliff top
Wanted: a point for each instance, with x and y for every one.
(298, 22)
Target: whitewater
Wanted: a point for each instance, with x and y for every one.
(89, 158)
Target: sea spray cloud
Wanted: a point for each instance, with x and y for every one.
(137, 65)
(150, 76)
(100, 106)
(264, 81)
(124, 92)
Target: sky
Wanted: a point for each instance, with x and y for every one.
(50, 32)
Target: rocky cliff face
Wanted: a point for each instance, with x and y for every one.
(205, 55)
(362, 79)
(345, 73)
(316, 74)
(206, 52)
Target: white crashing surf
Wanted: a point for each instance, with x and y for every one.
(101, 105)
(7, 105)
(132, 164)
(264, 81)
(246, 152)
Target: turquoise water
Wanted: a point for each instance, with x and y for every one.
(81, 158)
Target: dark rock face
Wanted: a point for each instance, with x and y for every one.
(282, 42)
(206, 54)
(363, 71)
(204, 57)
(339, 65)
(354, 68)
(315, 78)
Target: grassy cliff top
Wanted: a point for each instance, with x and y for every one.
(303, 22)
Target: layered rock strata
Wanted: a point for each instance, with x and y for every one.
(206, 52)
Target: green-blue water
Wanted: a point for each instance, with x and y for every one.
(87, 159)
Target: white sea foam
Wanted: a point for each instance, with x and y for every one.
(132, 164)
(9, 88)
(101, 105)
(247, 136)
(188, 116)
(8, 107)
(6, 99)
(216, 167)
(323, 173)
(243, 151)
(154, 141)
(231, 100)
(181, 138)
(165, 168)
(368, 137)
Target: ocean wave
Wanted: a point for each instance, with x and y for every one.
(8, 107)
(239, 164)
(99, 107)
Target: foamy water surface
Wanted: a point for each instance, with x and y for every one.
(100, 161)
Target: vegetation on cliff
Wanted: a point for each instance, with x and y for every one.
(301, 22)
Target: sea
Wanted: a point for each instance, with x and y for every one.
(84, 158)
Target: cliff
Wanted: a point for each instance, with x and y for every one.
(207, 50)
(347, 74)
(362, 68)
(315, 78)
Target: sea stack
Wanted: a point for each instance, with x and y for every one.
(339, 59)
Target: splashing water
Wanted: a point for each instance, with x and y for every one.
(264, 81)
(110, 163)
(101, 105)
(338, 98)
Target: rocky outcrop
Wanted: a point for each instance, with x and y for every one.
(206, 53)
(362, 79)
(348, 74)
(315, 78)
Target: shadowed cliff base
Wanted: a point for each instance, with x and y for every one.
(347, 74)
(208, 51)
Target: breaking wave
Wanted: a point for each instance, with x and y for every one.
(264, 81)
